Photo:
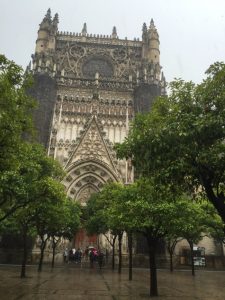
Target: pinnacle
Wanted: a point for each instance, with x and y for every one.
(48, 14)
(56, 18)
(144, 27)
(114, 32)
(84, 29)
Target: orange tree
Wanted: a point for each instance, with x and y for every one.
(15, 123)
(181, 140)
(100, 221)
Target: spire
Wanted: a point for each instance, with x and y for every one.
(28, 68)
(153, 34)
(55, 23)
(56, 20)
(46, 33)
(144, 31)
(84, 29)
(114, 33)
(46, 22)
(48, 13)
(48, 16)
(152, 25)
(163, 79)
(150, 44)
(163, 84)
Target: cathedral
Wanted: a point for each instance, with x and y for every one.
(89, 87)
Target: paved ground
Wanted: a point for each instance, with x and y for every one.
(72, 282)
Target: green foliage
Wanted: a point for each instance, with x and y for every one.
(122, 210)
(15, 112)
(143, 206)
(27, 183)
(181, 140)
(108, 210)
(50, 196)
(64, 219)
(97, 221)
(32, 200)
(153, 208)
(191, 222)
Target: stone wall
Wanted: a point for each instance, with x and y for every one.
(44, 91)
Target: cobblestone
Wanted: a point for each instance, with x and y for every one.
(71, 282)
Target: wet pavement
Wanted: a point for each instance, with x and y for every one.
(73, 282)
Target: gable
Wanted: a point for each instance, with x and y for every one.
(92, 146)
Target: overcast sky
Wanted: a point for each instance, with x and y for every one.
(192, 32)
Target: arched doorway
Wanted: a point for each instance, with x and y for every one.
(83, 179)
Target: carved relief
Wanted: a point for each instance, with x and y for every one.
(77, 51)
(85, 194)
(98, 65)
(72, 191)
(77, 172)
(69, 178)
(120, 54)
(85, 60)
(91, 146)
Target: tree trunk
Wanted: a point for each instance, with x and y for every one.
(24, 260)
(53, 254)
(171, 261)
(120, 235)
(130, 244)
(171, 244)
(192, 259)
(113, 253)
(152, 243)
(43, 244)
(217, 201)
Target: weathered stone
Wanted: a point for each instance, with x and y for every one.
(89, 87)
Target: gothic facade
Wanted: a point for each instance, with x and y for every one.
(89, 87)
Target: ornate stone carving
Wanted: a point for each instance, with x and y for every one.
(91, 146)
(77, 172)
(90, 179)
(69, 178)
(103, 173)
(82, 122)
(77, 51)
(84, 60)
(97, 64)
(72, 191)
(120, 54)
(85, 194)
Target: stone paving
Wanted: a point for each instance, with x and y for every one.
(72, 282)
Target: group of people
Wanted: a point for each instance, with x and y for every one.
(90, 254)
(72, 255)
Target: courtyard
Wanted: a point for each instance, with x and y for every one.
(74, 282)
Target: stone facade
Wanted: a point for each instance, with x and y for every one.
(89, 88)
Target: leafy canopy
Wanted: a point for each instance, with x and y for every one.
(181, 140)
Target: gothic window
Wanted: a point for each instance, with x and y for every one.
(98, 65)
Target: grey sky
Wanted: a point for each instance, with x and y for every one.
(192, 32)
